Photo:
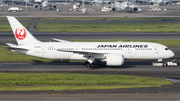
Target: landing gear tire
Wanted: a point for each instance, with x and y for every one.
(88, 65)
(92, 65)
(165, 65)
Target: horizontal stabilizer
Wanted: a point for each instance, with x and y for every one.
(15, 47)
(11, 45)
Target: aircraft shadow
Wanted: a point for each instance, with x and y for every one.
(98, 65)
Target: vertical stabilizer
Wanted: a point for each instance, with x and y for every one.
(22, 35)
(127, 2)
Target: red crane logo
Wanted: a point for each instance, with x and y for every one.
(20, 33)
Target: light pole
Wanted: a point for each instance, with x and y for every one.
(83, 4)
(26, 5)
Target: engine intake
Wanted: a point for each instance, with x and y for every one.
(135, 9)
(113, 9)
(36, 6)
(54, 6)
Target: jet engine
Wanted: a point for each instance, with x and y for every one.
(114, 59)
(54, 6)
(36, 6)
(135, 9)
(113, 9)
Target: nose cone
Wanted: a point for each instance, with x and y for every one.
(168, 54)
(171, 54)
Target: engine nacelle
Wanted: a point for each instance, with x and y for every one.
(114, 59)
(36, 6)
(135, 9)
(54, 6)
(113, 9)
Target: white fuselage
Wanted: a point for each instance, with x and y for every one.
(125, 6)
(121, 6)
(73, 50)
(45, 3)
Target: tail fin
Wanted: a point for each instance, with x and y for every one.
(22, 35)
(127, 2)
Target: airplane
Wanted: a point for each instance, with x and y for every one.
(44, 4)
(112, 53)
(155, 7)
(124, 6)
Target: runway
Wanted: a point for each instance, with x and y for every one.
(137, 68)
(138, 65)
(6, 37)
(92, 97)
(37, 20)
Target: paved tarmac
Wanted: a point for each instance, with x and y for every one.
(92, 97)
(36, 20)
(140, 68)
(172, 11)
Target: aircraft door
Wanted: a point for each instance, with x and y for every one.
(130, 55)
(129, 50)
(77, 48)
(156, 49)
(43, 51)
(37, 50)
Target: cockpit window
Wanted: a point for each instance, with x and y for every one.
(166, 49)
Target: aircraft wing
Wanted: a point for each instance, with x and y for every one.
(81, 52)
(61, 40)
(133, 6)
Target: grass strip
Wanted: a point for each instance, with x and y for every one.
(101, 27)
(8, 56)
(108, 27)
(76, 79)
(4, 26)
(58, 88)
(111, 19)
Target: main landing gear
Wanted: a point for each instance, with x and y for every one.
(89, 65)
(89, 62)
